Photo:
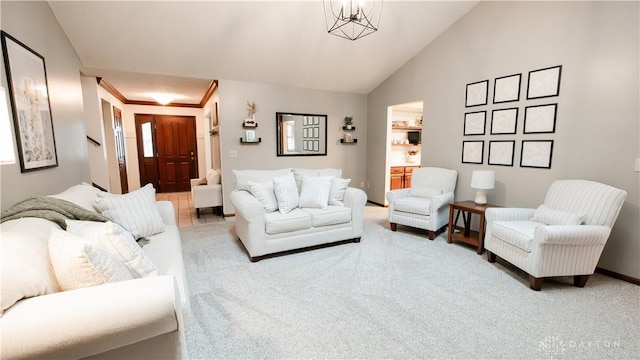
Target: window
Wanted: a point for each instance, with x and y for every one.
(147, 140)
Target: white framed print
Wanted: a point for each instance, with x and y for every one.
(477, 93)
(540, 119)
(507, 88)
(536, 153)
(250, 135)
(472, 152)
(544, 82)
(474, 123)
(501, 152)
(504, 121)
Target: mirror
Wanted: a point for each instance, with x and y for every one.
(301, 134)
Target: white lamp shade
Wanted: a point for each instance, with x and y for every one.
(483, 179)
(7, 156)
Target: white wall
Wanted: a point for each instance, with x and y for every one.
(597, 128)
(270, 99)
(94, 128)
(33, 24)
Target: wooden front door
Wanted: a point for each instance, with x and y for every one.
(122, 161)
(167, 151)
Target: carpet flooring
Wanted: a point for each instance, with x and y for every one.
(394, 295)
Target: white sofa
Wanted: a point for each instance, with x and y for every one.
(142, 318)
(263, 232)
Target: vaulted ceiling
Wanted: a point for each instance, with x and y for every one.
(181, 46)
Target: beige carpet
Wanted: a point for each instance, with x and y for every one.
(394, 295)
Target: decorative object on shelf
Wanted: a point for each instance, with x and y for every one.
(501, 152)
(536, 153)
(539, 119)
(251, 108)
(29, 92)
(413, 156)
(352, 19)
(348, 122)
(250, 135)
(348, 137)
(482, 180)
(506, 89)
(477, 93)
(472, 152)
(544, 82)
(250, 121)
(504, 121)
(474, 123)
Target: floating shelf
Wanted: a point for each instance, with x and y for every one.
(406, 128)
(345, 128)
(243, 141)
(348, 142)
(406, 144)
(249, 127)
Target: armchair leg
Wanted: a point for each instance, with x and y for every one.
(393, 226)
(535, 283)
(356, 240)
(580, 280)
(491, 257)
(198, 212)
(431, 234)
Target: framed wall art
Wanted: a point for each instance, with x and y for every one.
(501, 152)
(29, 93)
(472, 152)
(477, 93)
(544, 82)
(506, 89)
(474, 123)
(539, 119)
(504, 121)
(536, 153)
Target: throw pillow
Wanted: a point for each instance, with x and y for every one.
(136, 211)
(314, 192)
(117, 241)
(286, 192)
(338, 188)
(424, 191)
(78, 264)
(242, 177)
(264, 193)
(83, 195)
(298, 173)
(213, 177)
(549, 216)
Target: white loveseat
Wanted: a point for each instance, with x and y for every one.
(142, 318)
(263, 230)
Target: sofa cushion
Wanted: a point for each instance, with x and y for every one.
(277, 223)
(298, 173)
(314, 191)
(83, 195)
(118, 242)
(264, 193)
(136, 211)
(424, 191)
(549, 216)
(242, 177)
(286, 192)
(338, 188)
(24, 260)
(517, 233)
(332, 215)
(79, 264)
(414, 205)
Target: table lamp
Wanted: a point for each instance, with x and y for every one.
(482, 180)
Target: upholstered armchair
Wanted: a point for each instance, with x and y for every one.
(564, 236)
(207, 192)
(425, 205)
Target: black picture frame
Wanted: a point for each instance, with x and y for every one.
(504, 121)
(501, 152)
(473, 152)
(475, 123)
(29, 92)
(540, 119)
(543, 83)
(477, 94)
(536, 154)
(507, 88)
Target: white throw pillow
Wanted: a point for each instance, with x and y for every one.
(78, 264)
(549, 216)
(136, 211)
(242, 177)
(117, 241)
(286, 192)
(298, 173)
(314, 192)
(264, 193)
(424, 191)
(83, 195)
(338, 188)
(213, 177)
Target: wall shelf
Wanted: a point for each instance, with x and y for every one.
(249, 127)
(345, 128)
(348, 142)
(243, 141)
(406, 127)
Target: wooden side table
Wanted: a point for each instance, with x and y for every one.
(464, 233)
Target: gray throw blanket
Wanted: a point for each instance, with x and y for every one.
(56, 210)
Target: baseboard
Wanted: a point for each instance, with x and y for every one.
(229, 215)
(375, 203)
(618, 276)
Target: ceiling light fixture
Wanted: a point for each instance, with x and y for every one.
(162, 98)
(352, 19)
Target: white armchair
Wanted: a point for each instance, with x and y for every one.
(207, 192)
(563, 237)
(425, 205)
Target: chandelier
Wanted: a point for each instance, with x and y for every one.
(352, 19)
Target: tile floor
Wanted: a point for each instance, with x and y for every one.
(186, 213)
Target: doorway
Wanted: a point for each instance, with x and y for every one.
(167, 156)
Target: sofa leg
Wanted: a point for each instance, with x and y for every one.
(356, 240)
(393, 226)
(491, 257)
(580, 280)
(535, 283)
(431, 234)
(255, 258)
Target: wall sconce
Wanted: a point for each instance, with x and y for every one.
(482, 180)
(7, 156)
